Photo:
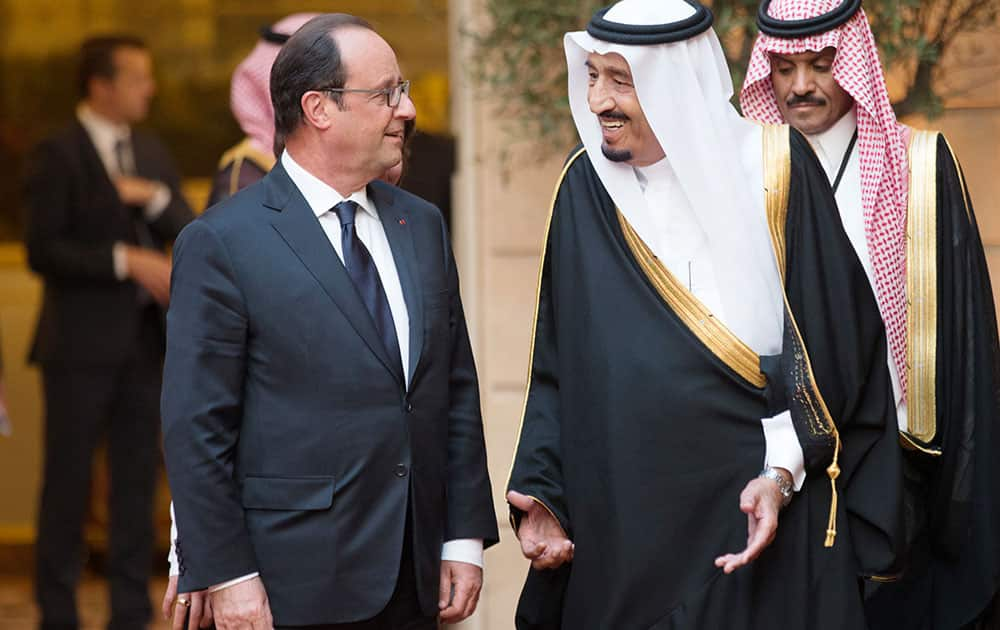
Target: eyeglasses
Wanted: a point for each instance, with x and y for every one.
(392, 94)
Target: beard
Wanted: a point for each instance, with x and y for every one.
(616, 155)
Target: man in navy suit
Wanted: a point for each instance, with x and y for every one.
(320, 408)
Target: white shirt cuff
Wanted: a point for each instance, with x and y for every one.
(175, 568)
(119, 261)
(782, 447)
(233, 582)
(159, 202)
(468, 550)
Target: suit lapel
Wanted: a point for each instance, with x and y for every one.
(300, 229)
(396, 223)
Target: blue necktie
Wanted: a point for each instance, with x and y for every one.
(361, 268)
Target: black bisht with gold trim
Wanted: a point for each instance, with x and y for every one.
(642, 425)
(952, 439)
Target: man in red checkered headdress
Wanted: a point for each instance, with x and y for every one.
(905, 208)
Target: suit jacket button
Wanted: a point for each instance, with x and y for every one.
(401, 470)
(408, 407)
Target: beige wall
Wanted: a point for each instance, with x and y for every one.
(498, 221)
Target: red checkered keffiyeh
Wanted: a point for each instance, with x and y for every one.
(881, 144)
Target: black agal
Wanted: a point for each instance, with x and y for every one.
(790, 29)
(650, 34)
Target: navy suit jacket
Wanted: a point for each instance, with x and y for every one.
(293, 446)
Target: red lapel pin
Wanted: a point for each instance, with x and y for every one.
(402, 221)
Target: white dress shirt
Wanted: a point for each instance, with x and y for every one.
(104, 135)
(321, 199)
(830, 146)
(368, 227)
(687, 257)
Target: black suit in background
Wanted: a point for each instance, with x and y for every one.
(99, 342)
(293, 446)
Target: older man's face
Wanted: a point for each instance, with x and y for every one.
(809, 98)
(627, 136)
(368, 134)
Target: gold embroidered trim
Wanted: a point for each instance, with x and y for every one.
(961, 181)
(910, 444)
(777, 175)
(777, 180)
(921, 287)
(883, 579)
(726, 346)
(538, 299)
(237, 155)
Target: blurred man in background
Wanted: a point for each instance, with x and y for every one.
(104, 202)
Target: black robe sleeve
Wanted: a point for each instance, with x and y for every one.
(953, 500)
(537, 471)
(964, 489)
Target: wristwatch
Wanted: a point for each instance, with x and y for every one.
(784, 485)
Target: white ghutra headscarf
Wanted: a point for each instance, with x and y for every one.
(684, 89)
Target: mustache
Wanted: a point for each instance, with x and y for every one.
(613, 116)
(806, 99)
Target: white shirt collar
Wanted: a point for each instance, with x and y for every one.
(832, 144)
(659, 174)
(318, 194)
(102, 131)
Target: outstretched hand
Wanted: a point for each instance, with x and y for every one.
(761, 502)
(543, 540)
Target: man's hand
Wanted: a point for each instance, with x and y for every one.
(459, 592)
(761, 502)
(151, 270)
(135, 191)
(242, 606)
(198, 611)
(169, 597)
(543, 540)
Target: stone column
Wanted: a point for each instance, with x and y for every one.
(500, 211)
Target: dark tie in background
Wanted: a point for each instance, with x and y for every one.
(123, 155)
(126, 162)
(143, 237)
(361, 268)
